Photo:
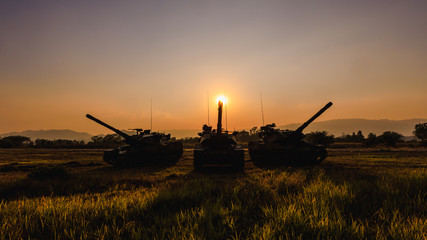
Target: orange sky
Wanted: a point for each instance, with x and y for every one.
(59, 61)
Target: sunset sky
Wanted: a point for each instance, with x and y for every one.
(62, 59)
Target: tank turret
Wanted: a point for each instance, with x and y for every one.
(218, 147)
(287, 147)
(143, 148)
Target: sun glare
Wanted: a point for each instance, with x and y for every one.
(221, 98)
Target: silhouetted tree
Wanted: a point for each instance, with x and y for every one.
(320, 137)
(371, 140)
(41, 143)
(351, 138)
(359, 136)
(96, 140)
(59, 143)
(107, 141)
(113, 140)
(15, 142)
(390, 138)
(421, 132)
(253, 131)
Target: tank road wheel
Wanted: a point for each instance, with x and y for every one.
(197, 160)
(254, 157)
(239, 161)
(176, 158)
(169, 159)
(320, 155)
(251, 151)
(111, 157)
(239, 165)
(198, 164)
(258, 159)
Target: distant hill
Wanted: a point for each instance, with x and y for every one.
(348, 126)
(52, 134)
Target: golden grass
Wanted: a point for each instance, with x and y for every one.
(352, 195)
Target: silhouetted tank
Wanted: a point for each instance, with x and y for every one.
(287, 147)
(218, 147)
(143, 148)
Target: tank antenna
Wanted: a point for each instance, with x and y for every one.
(151, 113)
(208, 105)
(262, 108)
(226, 115)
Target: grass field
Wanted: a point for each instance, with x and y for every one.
(353, 194)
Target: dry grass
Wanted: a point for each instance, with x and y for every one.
(354, 194)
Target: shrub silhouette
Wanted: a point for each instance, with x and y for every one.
(320, 137)
(371, 140)
(14, 141)
(421, 132)
(390, 138)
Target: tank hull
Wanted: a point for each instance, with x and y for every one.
(232, 157)
(301, 154)
(149, 155)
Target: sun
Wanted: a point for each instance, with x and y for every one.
(221, 98)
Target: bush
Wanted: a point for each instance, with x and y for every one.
(371, 140)
(421, 132)
(391, 138)
(320, 137)
(14, 142)
(107, 141)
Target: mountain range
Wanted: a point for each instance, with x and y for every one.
(336, 127)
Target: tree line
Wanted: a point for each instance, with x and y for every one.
(99, 141)
(388, 138)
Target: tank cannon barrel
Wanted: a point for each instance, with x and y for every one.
(219, 126)
(302, 127)
(129, 139)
